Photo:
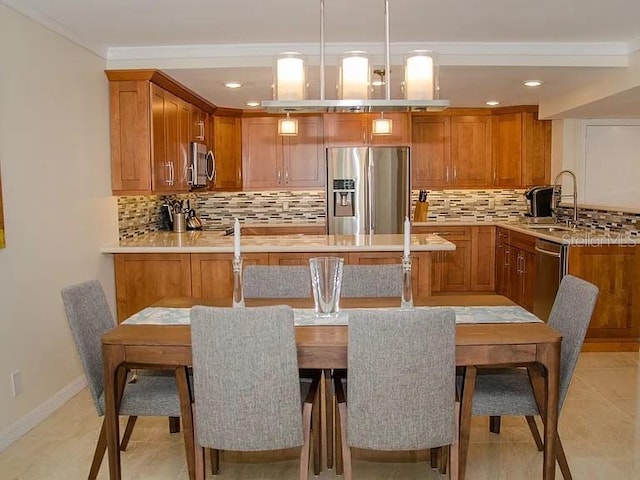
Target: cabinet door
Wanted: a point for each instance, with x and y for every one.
(182, 171)
(130, 136)
(430, 152)
(262, 153)
(471, 151)
(503, 262)
(161, 166)
(227, 150)
(296, 258)
(144, 278)
(345, 129)
(515, 275)
(483, 259)
(507, 150)
(400, 130)
(198, 126)
(212, 273)
(528, 280)
(456, 268)
(304, 163)
(537, 150)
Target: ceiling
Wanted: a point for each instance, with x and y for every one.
(487, 47)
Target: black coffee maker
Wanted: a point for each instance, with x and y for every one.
(539, 201)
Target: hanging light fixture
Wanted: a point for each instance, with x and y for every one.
(353, 80)
(289, 83)
(288, 126)
(362, 103)
(382, 126)
(420, 75)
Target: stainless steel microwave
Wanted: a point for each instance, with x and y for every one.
(202, 167)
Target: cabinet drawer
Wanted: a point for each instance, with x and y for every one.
(450, 233)
(522, 241)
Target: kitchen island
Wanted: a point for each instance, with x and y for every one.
(198, 264)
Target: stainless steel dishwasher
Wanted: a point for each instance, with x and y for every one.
(551, 266)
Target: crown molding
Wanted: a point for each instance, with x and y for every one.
(458, 54)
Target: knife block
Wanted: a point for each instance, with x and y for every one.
(422, 209)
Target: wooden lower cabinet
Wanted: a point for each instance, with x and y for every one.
(212, 273)
(470, 267)
(503, 262)
(516, 269)
(615, 270)
(144, 278)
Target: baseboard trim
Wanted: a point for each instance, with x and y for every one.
(37, 415)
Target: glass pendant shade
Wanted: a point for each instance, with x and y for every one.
(288, 126)
(382, 126)
(353, 82)
(290, 79)
(421, 75)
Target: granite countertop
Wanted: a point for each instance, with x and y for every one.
(214, 242)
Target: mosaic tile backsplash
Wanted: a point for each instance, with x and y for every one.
(138, 215)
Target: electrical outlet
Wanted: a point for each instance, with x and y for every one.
(447, 204)
(16, 383)
(285, 206)
(492, 204)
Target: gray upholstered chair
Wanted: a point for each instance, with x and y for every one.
(371, 281)
(247, 391)
(276, 281)
(89, 318)
(401, 388)
(500, 392)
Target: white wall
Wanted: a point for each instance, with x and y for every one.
(54, 159)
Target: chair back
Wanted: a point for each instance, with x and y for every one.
(371, 281)
(89, 318)
(246, 383)
(401, 380)
(570, 315)
(274, 281)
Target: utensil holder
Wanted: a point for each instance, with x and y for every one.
(406, 303)
(422, 209)
(179, 223)
(238, 294)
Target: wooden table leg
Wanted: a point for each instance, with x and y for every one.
(184, 392)
(549, 357)
(328, 408)
(114, 378)
(466, 404)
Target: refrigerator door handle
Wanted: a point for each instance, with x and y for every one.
(371, 195)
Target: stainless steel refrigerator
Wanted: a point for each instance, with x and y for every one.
(367, 190)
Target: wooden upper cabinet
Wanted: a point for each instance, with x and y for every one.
(151, 119)
(274, 161)
(354, 129)
(507, 150)
(471, 151)
(130, 136)
(430, 151)
(227, 150)
(303, 161)
(170, 139)
(199, 131)
(537, 150)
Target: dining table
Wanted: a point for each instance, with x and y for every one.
(159, 345)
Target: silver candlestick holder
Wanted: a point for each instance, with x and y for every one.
(238, 295)
(407, 294)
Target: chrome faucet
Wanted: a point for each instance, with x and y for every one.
(575, 195)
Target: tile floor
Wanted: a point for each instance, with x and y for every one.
(599, 425)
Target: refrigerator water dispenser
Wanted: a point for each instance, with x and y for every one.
(344, 192)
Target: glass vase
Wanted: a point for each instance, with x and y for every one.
(407, 294)
(238, 295)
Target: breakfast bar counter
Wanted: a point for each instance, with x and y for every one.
(215, 242)
(198, 264)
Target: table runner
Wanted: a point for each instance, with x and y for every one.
(307, 316)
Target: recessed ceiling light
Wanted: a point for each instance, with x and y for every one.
(493, 103)
(253, 104)
(532, 83)
(233, 84)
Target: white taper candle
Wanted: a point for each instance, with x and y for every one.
(407, 236)
(236, 239)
